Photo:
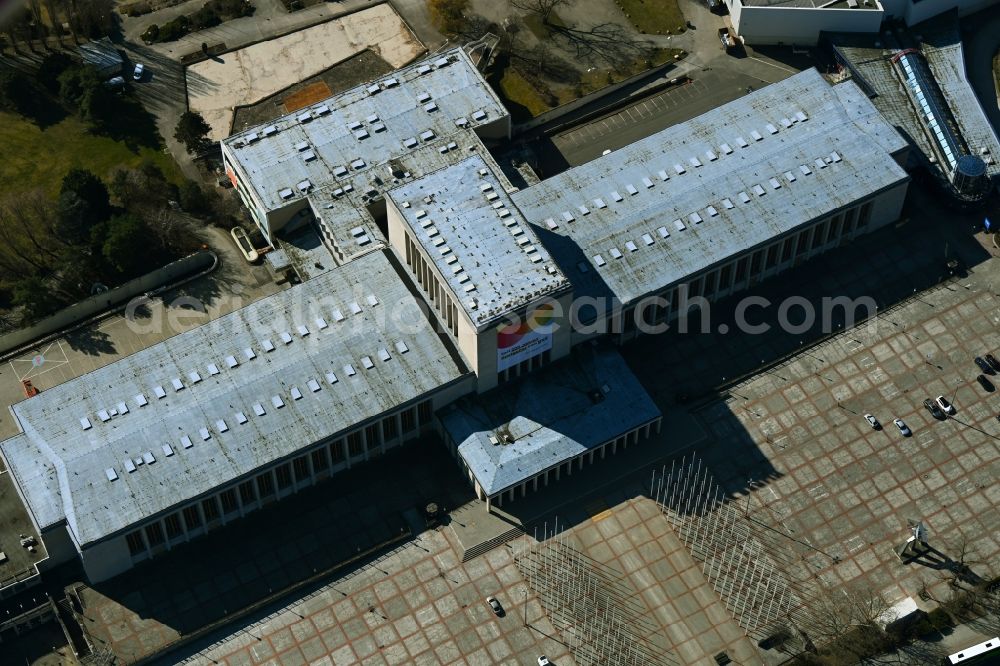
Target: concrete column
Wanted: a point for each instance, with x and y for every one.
(201, 514)
(399, 429)
(309, 466)
(524, 489)
(579, 462)
(487, 504)
(614, 446)
(534, 483)
(239, 500)
(546, 477)
(557, 471)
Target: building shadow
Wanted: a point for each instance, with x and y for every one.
(288, 549)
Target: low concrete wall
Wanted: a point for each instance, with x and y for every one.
(68, 317)
(568, 107)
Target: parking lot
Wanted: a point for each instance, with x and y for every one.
(705, 91)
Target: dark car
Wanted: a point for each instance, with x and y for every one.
(984, 366)
(934, 409)
(994, 363)
(985, 383)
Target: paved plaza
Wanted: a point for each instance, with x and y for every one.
(420, 605)
(847, 490)
(836, 493)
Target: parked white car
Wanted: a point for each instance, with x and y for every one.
(903, 428)
(945, 406)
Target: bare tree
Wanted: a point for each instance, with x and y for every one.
(845, 624)
(969, 579)
(543, 8)
(607, 42)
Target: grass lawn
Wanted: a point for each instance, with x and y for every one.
(525, 101)
(654, 17)
(31, 157)
(597, 79)
(538, 28)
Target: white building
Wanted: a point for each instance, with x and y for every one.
(714, 205)
(178, 439)
(123, 463)
(335, 160)
(800, 22)
(481, 267)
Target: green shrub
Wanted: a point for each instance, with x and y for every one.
(152, 34)
(206, 17)
(175, 29)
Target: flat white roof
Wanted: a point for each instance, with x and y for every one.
(553, 415)
(713, 187)
(359, 131)
(209, 406)
(487, 253)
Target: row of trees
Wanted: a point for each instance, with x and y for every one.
(73, 86)
(555, 59)
(39, 19)
(53, 252)
(211, 14)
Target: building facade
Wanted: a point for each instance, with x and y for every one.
(179, 439)
(800, 22)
